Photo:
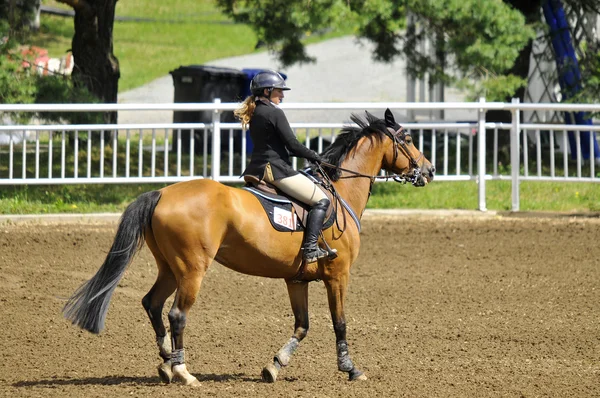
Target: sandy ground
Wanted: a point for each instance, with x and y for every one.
(438, 306)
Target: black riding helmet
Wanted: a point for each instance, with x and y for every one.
(267, 79)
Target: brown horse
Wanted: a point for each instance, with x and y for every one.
(190, 224)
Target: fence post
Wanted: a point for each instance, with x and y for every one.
(515, 154)
(481, 157)
(216, 142)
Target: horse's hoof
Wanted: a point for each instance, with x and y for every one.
(193, 383)
(269, 373)
(181, 374)
(356, 374)
(165, 373)
(189, 381)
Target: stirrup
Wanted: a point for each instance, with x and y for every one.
(312, 255)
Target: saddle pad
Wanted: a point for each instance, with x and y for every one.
(280, 211)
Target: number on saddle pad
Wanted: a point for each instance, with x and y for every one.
(284, 218)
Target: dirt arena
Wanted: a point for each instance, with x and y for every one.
(438, 306)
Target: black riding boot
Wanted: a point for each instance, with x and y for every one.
(314, 223)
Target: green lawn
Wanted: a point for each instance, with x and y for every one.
(186, 32)
(182, 32)
(535, 196)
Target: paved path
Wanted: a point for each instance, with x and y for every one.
(344, 71)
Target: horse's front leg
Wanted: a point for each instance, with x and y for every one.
(336, 292)
(298, 293)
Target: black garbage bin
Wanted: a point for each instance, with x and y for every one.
(202, 83)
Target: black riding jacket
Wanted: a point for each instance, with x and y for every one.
(274, 141)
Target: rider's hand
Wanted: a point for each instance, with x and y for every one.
(317, 159)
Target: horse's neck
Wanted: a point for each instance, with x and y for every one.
(355, 189)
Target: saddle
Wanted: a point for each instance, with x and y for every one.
(285, 213)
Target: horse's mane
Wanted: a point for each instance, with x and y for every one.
(370, 126)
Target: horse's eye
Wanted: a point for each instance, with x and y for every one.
(408, 139)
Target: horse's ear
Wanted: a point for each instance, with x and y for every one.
(390, 121)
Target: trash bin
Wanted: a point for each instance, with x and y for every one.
(202, 83)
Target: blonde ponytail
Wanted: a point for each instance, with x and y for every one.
(245, 111)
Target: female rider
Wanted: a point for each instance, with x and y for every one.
(274, 142)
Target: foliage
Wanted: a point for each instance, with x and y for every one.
(19, 84)
(16, 83)
(17, 16)
(478, 40)
(492, 88)
(590, 75)
(152, 38)
(286, 22)
(58, 89)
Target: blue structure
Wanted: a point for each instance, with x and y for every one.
(569, 76)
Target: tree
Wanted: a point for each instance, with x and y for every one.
(484, 42)
(96, 66)
(19, 15)
(20, 83)
(479, 39)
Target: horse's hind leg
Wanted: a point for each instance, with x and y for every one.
(153, 303)
(187, 290)
(298, 293)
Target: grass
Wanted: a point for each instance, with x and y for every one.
(183, 32)
(187, 32)
(534, 195)
(69, 198)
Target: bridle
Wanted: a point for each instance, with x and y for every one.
(400, 145)
(399, 138)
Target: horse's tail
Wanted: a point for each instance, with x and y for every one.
(88, 306)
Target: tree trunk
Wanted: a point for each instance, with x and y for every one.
(96, 67)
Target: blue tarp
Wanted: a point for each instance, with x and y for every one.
(569, 76)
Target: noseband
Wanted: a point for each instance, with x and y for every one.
(399, 138)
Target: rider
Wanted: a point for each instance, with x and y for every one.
(274, 142)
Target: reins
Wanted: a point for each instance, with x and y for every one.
(399, 144)
(402, 178)
(356, 174)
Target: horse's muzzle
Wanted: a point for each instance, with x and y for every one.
(424, 176)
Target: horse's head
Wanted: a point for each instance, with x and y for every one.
(402, 157)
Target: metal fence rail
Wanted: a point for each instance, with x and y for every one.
(159, 153)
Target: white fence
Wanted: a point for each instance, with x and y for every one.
(140, 153)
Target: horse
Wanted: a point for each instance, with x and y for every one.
(189, 224)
